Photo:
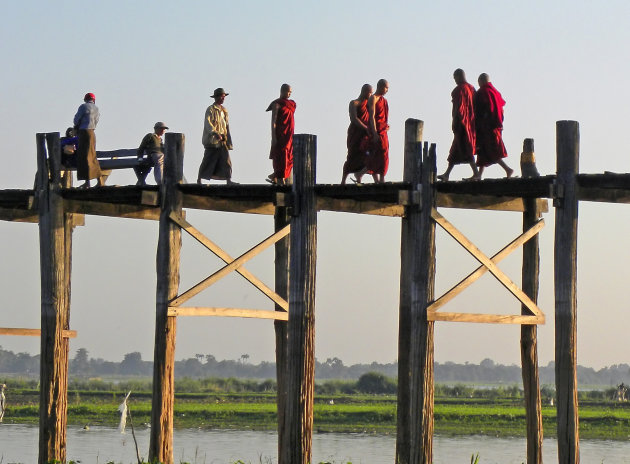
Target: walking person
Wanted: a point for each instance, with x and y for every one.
(489, 125)
(282, 126)
(463, 126)
(217, 142)
(358, 140)
(85, 121)
(378, 110)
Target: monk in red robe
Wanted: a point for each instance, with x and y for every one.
(489, 124)
(463, 146)
(358, 137)
(282, 125)
(378, 110)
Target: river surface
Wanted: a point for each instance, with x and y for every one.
(18, 444)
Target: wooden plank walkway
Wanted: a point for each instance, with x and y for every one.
(375, 199)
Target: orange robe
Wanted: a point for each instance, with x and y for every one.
(378, 160)
(358, 142)
(489, 124)
(282, 153)
(463, 146)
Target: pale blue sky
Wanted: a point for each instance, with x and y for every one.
(149, 61)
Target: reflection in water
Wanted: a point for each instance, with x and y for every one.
(18, 443)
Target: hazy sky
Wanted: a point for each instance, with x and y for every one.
(150, 61)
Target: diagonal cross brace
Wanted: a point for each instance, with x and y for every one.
(487, 262)
(232, 266)
(481, 270)
(227, 259)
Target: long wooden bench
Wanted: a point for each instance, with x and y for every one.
(123, 158)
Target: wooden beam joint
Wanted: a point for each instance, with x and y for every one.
(556, 191)
(283, 199)
(411, 197)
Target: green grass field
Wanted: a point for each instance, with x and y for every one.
(349, 413)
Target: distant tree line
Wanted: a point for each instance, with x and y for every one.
(206, 365)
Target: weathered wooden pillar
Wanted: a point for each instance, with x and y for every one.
(55, 230)
(529, 340)
(281, 220)
(565, 278)
(167, 264)
(411, 172)
(421, 294)
(300, 372)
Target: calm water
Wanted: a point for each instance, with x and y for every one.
(18, 444)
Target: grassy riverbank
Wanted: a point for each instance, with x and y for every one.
(333, 413)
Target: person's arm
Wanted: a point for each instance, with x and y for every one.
(211, 117)
(78, 116)
(371, 109)
(143, 146)
(227, 137)
(457, 109)
(354, 119)
(274, 117)
(211, 135)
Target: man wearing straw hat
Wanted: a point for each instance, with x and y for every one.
(216, 139)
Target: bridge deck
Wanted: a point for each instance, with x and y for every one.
(377, 199)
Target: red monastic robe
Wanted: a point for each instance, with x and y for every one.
(358, 142)
(378, 160)
(489, 124)
(463, 146)
(282, 153)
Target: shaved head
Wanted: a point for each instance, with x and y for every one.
(459, 75)
(285, 91)
(366, 91)
(382, 86)
(483, 79)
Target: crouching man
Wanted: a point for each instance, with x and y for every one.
(152, 147)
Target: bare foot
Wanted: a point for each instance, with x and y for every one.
(443, 177)
(475, 177)
(509, 172)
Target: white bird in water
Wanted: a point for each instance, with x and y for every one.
(123, 414)
(3, 400)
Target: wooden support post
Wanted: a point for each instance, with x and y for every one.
(421, 294)
(300, 366)
(565, 278)
(167, 263)
(411, 174)
(529, 343)
(281, 219)
(55, 230)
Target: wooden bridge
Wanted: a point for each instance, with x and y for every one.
(418, 200)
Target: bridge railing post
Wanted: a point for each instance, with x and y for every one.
(565, 278)
(300, 367)
(55, 241)
(167, 267)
